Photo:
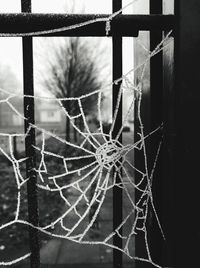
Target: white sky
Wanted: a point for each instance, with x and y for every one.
(92, 6)
(11, 49)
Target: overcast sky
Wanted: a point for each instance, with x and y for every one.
(92, 6)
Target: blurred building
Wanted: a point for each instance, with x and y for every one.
(48, 115)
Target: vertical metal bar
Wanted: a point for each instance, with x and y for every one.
(30, 142)
(173, 225)
(156, 69)
(187, 143)
(167, 155)
(142, 111)
(151, 113)
(15, 147)
(156, 118)
(117, 192)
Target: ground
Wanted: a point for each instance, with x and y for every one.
(59, 251)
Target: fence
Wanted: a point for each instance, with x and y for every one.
(121, 26)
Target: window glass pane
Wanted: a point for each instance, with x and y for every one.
(133, 7)
(141, 7)
(168, 6)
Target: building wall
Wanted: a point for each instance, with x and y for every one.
(47, 115)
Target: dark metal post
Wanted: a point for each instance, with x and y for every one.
(15, 152)
(156, 69)
(30, 142)
(185, 217)
(117, 192)
(155, 238)
(151, 113)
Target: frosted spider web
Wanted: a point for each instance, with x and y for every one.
(106, 158)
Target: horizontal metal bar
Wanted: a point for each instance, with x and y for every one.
(18, 24)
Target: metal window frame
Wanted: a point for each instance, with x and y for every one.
(121, 26)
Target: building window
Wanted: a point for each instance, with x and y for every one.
(50, 116)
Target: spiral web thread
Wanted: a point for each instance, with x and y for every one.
(104, 153)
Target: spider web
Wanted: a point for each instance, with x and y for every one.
(104, 158)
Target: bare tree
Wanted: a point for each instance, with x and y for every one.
(72, 72)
